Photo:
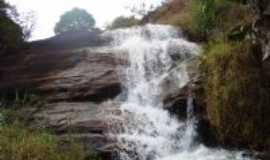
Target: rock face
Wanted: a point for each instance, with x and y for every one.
(71, 75)
(75, 82)
(261, 29)
(84, 121)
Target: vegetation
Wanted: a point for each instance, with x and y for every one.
(236, 95)
(19, 141)
(15, 29)
(11, 33)
(205, 19)
(235, 91)
(141, 9)
(76, 19)
(123, 22)
(11, 107)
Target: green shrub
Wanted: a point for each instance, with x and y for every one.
(123, 22)
(235, 93)
(16, 107)
(204, 16)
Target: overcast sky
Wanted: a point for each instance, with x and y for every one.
(48, 12)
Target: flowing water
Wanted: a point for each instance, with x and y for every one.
(145, 130)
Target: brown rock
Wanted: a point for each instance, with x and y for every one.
(86, 122)
(72, 75)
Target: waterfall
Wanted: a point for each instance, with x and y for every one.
(146, 130)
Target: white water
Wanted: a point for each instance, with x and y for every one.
(146, 130)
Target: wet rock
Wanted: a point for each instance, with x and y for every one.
(175, 99)
(262, 155)
(176, 102)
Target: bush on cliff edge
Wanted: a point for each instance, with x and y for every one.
(204, 19)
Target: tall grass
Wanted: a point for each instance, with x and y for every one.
(235, 93)
(18, 142)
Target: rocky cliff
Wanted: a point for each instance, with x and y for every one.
(75, 80)
(79, 83)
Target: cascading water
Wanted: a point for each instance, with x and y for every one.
(146, 130)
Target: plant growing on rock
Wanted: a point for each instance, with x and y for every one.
(18, 142)
(236, 94)
(203, 20)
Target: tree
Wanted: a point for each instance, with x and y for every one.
(76, 19)
(15, 28)
(12, 36)
(142, 9)
(25, 20)
(123, 22)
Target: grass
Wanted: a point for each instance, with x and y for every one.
(236, 97)
(19, 141)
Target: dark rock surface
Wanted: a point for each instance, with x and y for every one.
(72, 39)
(84, 121)
(261, 26)
(71, 75)
(175, 99)
(261, 31)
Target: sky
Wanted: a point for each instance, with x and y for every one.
(48, 12)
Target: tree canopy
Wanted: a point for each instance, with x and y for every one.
(76, 19)
(123, 22)
(11, 32)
